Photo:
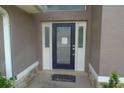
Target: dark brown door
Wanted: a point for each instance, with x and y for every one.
(63, 47)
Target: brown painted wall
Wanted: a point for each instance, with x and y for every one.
(2, 65)
(24, 38)
(95, 36)
(62, 16)
(65, 16)
(112, 40)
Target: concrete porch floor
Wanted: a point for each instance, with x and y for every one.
(43, 80)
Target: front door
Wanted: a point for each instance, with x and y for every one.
(63, 46)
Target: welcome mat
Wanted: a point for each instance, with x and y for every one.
(65, 78)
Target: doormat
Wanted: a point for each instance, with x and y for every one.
(64, 78)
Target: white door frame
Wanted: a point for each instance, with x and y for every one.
(7, 42)
(79, 52)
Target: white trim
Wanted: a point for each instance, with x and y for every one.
(43, 8)
(27, 70)
(105, 79)
(80, 51)
(93, 72)
(101, 79)
(47, 51)
(51, 58)
(7, 42)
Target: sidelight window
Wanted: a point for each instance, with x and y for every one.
(80, 36)
(47, 36)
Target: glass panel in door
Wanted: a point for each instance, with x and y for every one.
(63, 45)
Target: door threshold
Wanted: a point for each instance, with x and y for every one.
(68, 72)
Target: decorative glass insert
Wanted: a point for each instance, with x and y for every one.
(63, 45)
(80, 36)
(47, 36)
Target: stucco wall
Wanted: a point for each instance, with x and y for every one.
(62, 16)
(23, 38)
(112, 40)
(2, 64)
(95, 36)
(65, 16)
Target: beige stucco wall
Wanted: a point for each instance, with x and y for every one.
(112, 40)
(23, 38)
(95, 36)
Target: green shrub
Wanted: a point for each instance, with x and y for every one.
(6, 83)
(114, 81)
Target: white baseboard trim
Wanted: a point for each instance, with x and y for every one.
(105, 79)
(91, 69)
(27, 70)
(102, 79)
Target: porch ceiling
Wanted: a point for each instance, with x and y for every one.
(32, 8)
(45, 8)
